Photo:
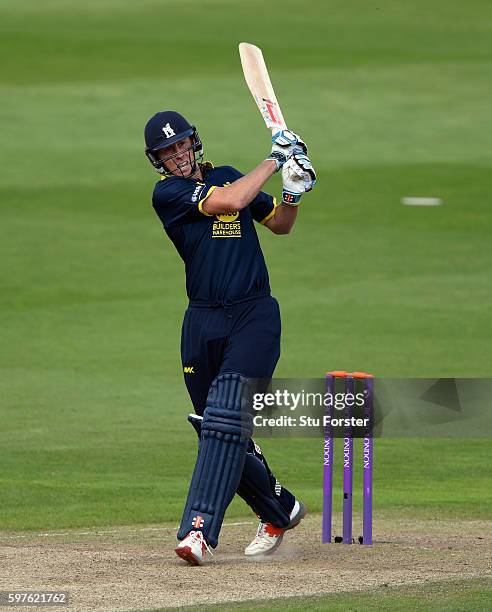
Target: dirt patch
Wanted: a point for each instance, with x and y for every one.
(130, 568)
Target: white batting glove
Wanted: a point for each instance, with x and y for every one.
(284, 143)
(298, 176)
(308, 172)
(292, 183)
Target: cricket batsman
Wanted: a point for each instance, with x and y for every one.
(231, 328)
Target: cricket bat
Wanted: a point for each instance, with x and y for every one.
(260, 86)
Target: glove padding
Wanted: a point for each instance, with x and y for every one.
(284, 144)
(307, 173)
(298, 176)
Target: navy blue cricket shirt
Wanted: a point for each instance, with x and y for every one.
(222, 254)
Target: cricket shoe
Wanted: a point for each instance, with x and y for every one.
(192, 548)
(268, 537)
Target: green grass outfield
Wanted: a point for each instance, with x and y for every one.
(452, 597)
(393, 99)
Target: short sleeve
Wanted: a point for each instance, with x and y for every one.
(263, 207)
(178, 201)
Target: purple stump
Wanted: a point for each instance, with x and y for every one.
(367, 464)
(328, 466)
(348, 462)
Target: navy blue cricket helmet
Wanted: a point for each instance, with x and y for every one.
(164, 129)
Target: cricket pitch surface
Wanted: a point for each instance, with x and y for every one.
(135, 568)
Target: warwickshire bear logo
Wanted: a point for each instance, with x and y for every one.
(168, 131)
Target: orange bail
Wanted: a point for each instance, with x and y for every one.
(361, 375)
(337, 374)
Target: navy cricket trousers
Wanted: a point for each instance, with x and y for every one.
(241, 337)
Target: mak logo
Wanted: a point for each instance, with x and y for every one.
(188, 370)
(168, 131)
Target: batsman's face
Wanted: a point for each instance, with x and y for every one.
(178, 157)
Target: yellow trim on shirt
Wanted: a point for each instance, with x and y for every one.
(271, 213)
(200, 203)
